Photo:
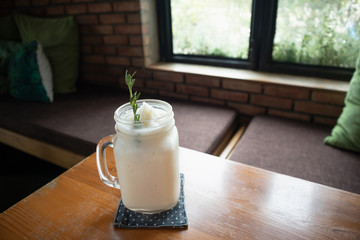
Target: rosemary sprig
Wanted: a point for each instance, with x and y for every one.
(129, 80)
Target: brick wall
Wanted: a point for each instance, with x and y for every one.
(110, 33)
(306, 104)
(119, 35)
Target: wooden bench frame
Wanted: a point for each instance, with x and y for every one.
(45, 151)
(67, 159)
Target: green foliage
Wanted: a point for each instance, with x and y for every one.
(211, 27)
(309, 32)
(129, 80)
(318, 32)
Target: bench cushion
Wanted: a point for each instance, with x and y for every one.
(77, 121)
(296, 148)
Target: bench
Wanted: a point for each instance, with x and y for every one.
(68, 129)
(297, 149)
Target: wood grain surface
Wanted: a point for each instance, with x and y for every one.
(224, 200)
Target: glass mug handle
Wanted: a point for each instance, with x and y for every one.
(101, 163)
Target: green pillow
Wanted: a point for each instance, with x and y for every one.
(8, 29)
(7, 49)
(59, 37)
(30, 74)
(346, 133)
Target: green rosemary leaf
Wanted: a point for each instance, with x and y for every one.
(129, 80)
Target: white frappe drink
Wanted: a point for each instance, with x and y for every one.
(146, 156)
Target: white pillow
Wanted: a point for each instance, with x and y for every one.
(45, 71)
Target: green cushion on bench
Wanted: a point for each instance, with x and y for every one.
(59, 37)
(7, 50)
(30, 74)
(8, 29)
(346, 133)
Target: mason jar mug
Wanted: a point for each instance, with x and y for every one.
(146, 155)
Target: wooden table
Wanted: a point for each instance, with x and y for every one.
(224, 200)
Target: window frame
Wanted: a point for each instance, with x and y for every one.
(262, 31)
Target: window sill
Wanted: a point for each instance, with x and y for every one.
(253, 76)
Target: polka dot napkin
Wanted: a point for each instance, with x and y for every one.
(173, 218)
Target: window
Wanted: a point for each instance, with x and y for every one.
(227, 36)
(307, 37)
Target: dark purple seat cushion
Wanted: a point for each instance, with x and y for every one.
(202, 127)
(296, 148)
(79, 120)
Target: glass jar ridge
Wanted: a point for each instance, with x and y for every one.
(124, 122)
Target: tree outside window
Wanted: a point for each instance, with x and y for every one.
(304, 32)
